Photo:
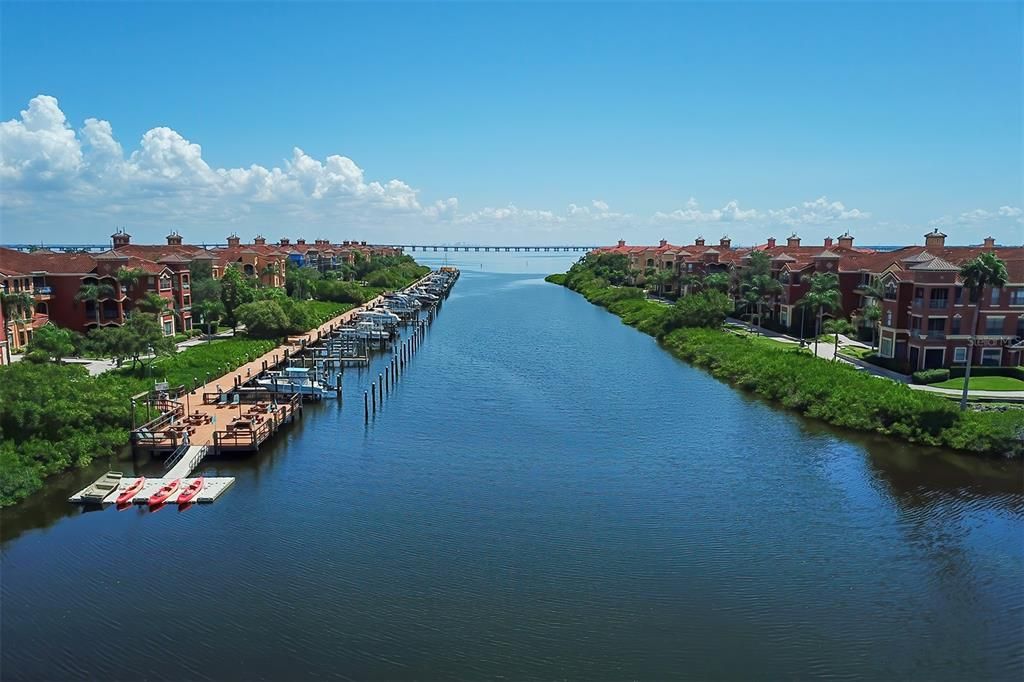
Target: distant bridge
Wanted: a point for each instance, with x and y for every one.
(405, 247)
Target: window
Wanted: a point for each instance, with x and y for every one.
(960, 354)
(936, 327)
(890, 290)
(168, 328)
(997, 293)
(165, 282)
(955, 328)
(915, 323)
(888, 318)
(939, 298)
(959, 296)
(991, 357)
(650, 262)
(1020, 328)
(885, 348)
(994, 325)
(1017, 296)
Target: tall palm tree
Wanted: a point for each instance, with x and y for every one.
(986, 270)
(824, 293)
(93, 293)
(718, 281)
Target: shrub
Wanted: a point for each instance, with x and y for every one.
(263, 319)
(988, 371)
(931, 376)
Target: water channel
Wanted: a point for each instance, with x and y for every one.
(546, 494)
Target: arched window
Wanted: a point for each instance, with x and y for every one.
(650, 262)
(249, 269)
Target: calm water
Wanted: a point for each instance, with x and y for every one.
(546, 495)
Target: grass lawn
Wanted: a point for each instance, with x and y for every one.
(984, 384)
(856, 351)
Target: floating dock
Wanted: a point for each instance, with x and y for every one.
(212, 489)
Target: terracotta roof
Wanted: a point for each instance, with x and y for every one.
(934, 264)
(46, 261)
(828, 254)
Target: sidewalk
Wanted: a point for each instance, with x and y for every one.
(1002, 396)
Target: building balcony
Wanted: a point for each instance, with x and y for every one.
(930, 335)
(938, 303)
(42, 293)
(918, 303)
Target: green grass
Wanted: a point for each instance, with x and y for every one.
(984, 384)
(857, 352)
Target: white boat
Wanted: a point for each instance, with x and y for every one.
(371, 332)
(379, 316)
(295, 380)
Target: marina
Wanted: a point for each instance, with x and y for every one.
(268, 392)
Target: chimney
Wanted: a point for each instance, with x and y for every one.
(725, 242)
(259, 240)
(663, 243)
(846, 240)
(935, 240)
(771, 242)
(121, 238)
(284, 241)
(793, 241)
(990, 242)
(174, 239)
(234, 240)
(300, 241)
(699, 241)
(622, 242)
(828, 242)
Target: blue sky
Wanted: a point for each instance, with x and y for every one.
(517, 123)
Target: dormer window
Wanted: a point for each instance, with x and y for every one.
(890, 290)
(165, 282)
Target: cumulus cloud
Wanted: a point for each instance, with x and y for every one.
(816, 212)
(166, 177)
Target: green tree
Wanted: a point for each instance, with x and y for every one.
(719, 281)
(129, 278)
(705, 309)
(200, 269)
(50, 342)
(152, 303)
(93, 293)
(235, 290)
(300, 281)
(872, 316)
(655, 279)
(17, 305)
(986, 270)
(142, 335)
(837, 327)
(205, 290)
(208, 312)
(264, 319)
(823, 295)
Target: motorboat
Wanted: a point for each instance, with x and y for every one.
(191, 490)
(295, 380)
(379, 316)
(129, 493)
(166, 490)
(102, 487)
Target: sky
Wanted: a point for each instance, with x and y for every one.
(528, 123)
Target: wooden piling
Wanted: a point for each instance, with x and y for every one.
(366, 406)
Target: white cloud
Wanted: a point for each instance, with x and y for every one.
(44, 162)
(980, 217)
(816, 212)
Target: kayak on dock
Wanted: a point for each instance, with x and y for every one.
(191, 491)
(160, 496)
(131, 491)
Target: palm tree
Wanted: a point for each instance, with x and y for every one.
(93, 293)
(17, 305)
(872, 314)
(760, 289)
(986, 270)
(824, 293)
(718, 281)
(152, 303)
(129, 277)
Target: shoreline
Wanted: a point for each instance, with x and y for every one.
(981, 434)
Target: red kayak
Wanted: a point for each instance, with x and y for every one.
(131, 491)
(191, 491)
(160, 496)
